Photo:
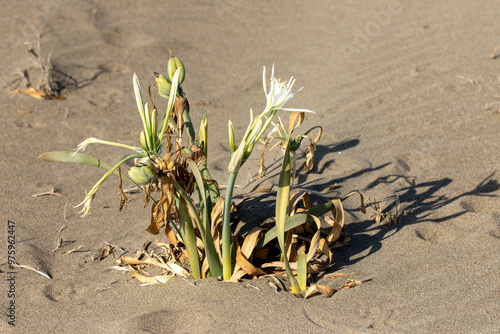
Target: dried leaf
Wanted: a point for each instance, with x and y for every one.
(361, 198)
(311, 150)
(170, 266)
(338, 222)
(237, 275)
(352, 283)
(295, 199)
(159, 279)
(172, 237)
(37, 94)
(325, 290)
(123, 197)
(156, 219)
(339, 275)
(313, 248)
(242, 257)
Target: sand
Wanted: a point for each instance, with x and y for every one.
(408, 96)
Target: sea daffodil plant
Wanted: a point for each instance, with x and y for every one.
(199, 228)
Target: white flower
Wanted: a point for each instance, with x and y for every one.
(279, 93)
(83, 145)
(86, 204)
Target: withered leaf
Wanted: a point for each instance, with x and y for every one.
(325, 290)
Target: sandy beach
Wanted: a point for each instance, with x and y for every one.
(407, 93)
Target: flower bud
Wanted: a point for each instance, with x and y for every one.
(236, 160)
(164, 86)
(231, 137)
(135, 174)
(143, 174)
(202, 133)
(173, 64)
(144, 142)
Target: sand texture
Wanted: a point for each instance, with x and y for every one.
(407, 93)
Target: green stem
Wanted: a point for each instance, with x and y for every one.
(189, 126)
(188, 235)
(211, 185)
(226, 229)
(191, 206)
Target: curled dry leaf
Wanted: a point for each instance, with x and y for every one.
(352, 283)
(311, 150)
(316, 288)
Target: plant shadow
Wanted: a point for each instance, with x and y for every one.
(413, 203)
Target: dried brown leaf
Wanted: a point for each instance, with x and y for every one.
(296, 119)
(316, 288)
(311, 151)
(172, 237)
(339, 275)
(123, 197)
(156, 219)
(337, 222)
(352, 283)
(37, 94)
(243, 254)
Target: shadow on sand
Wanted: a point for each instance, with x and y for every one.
(411, 203)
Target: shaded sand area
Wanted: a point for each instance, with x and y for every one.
(408, 94)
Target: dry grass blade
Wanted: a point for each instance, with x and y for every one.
(37, 94)
(77, 249)
(33, 269)
(59, 243)
(52, 192)
(494, 54)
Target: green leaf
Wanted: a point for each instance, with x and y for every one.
(302, 271)
(84, 159)
(188, 235)
(282, 201)
(212, 256)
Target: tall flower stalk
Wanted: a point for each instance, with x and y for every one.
(278, 95)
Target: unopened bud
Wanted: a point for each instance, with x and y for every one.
(173, 64)
(143, 174)
(202, 133)
(164, 86)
